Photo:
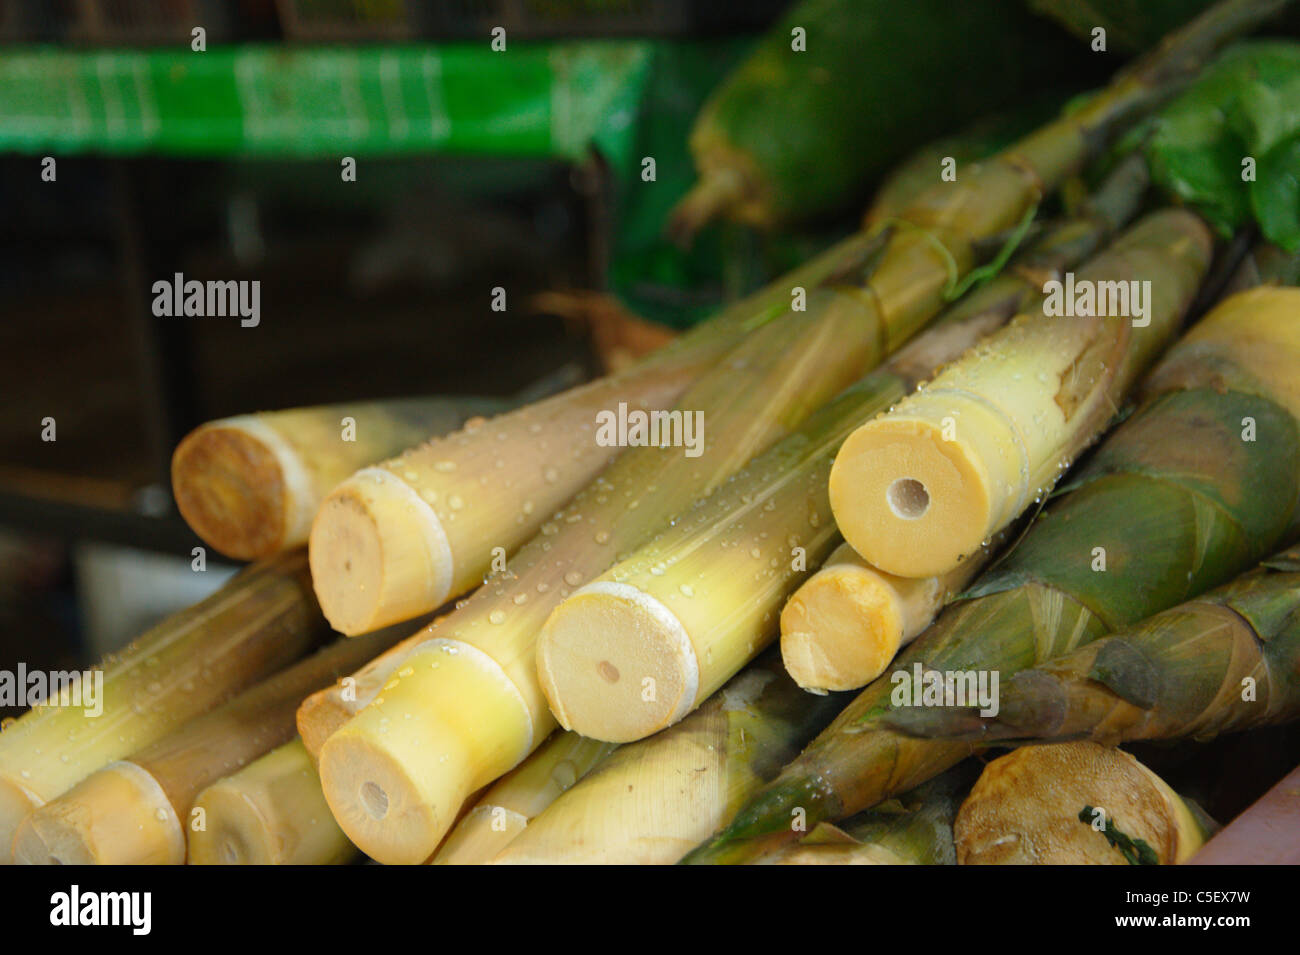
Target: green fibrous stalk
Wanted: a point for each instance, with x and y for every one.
(1224, 662)
(914, 829)
(1174, 501)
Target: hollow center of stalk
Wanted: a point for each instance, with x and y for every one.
(608, 671)
(908, 498)
(375, 800)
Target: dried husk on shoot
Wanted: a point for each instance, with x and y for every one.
(260, 621)
(650, 801)
(400, 538)
(1075, 804)
(1177, 500)
(520, 796)
(271, 812)
(464, 706)
(914, 829)
(1223, 662)
(250, 485)
(136, 811)
(685, 612)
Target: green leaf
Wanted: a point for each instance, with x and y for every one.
(1245, 106)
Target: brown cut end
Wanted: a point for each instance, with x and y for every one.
(1024, 810)
(320, 716)
(230, 488)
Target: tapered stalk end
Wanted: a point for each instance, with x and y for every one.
(241, 488)
(616, 664)
(910, 498)
(395, 814)
(378, 554)
(117, 816)
(840, 629)
(708, 199)
(16, 804)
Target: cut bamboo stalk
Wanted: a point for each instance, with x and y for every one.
(519, 797)
(1074, 804)
(1220, 663)
(464, 706)
(250, 485)
(649, 802)
(920, 489)
(271, 812)
(136, 811)
(845, 624)
(399, 539)
(1172, 504)
(641, 646)
(915, 829)
(259, 622)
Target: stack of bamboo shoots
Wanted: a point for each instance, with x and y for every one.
(650, 593)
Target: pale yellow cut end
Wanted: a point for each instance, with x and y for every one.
(378, 554)
(840, 629)
(16, 804)
(116, 816)
(1024, 809)
(909, 501)
(616, 664)
(394, 814)
(397, 775)
(231, 489)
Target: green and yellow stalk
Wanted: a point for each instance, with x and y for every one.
(136, 811)
(1075, 804)
(914, 829)
(1223, 662)
(259, 622)
(399, 539)
(271, 812)
(921, 489)
(1173, 503)
(250, 485)
(645, 643)
(517, 798)
(649, 802)
(464, 706)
